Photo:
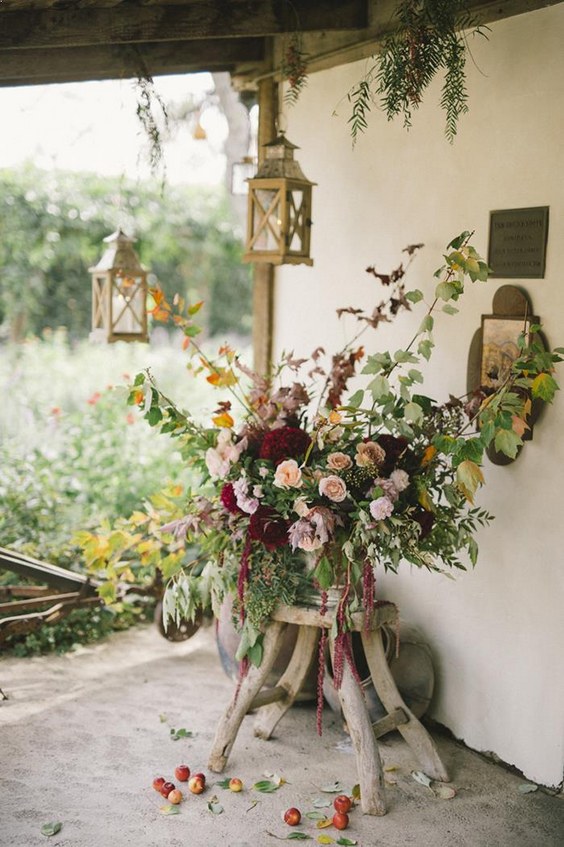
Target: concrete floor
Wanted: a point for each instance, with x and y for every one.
(83, 735)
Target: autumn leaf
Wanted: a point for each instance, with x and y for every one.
(195, 308)
(468, 477)
(544, 387)
(223, 420)
(325, 839)
(185, 342)
(222, 377)
(324, 823)
(169, 809)
(428, 455)
(519, 426)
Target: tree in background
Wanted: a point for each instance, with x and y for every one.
(51, 230)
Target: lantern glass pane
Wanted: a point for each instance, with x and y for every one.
(296, 221)
(266, 225)
(128, 302)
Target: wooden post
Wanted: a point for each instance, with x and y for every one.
(263, 272)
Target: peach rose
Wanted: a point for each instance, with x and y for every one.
(369, 453)
(288, 475)
(333, 488)
(339, 461)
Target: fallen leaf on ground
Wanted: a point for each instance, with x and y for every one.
(346, 842)
(323, 824)
(275, 777)
(528, 788)
(334, 788)
(391, 768)
(325, 839)
(223, 783)
(293, 836)
(444, 792)
(169, 809)
(390, 779)
(215, 806)
(321, 803)
(355, 793)
(316, 816)
(51, 828)
(266, 786)
(421, 778)
(163, 718)
(175, 734)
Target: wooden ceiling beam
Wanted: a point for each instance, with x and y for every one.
(75, 64)
(202, 19)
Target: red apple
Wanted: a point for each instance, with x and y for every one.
(201, 776)
(166, 788)
(158, 783)
(182, 773)
(342, 803)
(175, 797)
(340, 820)
(292, 816)
(235, 784)
(196, 785)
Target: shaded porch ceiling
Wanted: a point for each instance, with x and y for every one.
(49, 41)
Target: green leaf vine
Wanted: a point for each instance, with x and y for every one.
(432, 36)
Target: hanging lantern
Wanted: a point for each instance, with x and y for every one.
(279, 208)
(119, 293)
(241, 173)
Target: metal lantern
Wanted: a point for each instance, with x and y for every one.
(119, 293)
(279, 208)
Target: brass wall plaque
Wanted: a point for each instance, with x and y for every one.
(517, 245)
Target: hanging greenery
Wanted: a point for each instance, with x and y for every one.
(152, 114)
(294, 69)
(432, 36)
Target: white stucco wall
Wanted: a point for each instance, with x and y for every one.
(497, 633)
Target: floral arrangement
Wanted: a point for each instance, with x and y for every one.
(304, 487)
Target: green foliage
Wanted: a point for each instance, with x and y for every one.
(51, 231)
(81, 626)
(69, 464)
(429, 38)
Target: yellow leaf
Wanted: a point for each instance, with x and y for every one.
(222, 376)
(428, 455)
(192, 310)
(424, 500)
(325, 839)
(323, 824)
(224, 420)
(468, 478)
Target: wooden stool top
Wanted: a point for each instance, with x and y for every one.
(387, 613)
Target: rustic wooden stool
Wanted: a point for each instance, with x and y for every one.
(273, 703)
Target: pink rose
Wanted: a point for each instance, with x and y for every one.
(339, 461)
(288, 475)
(333, 488)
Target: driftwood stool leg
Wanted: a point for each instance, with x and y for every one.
(239, 706)
(290, 682)
(413, 730)
(369, 766)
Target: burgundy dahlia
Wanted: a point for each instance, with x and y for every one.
(229, 500)
(425, 520)
(394, 448)
(267, 526)
(287, 442)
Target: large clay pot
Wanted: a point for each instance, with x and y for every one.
(228, 641)
(412, 670)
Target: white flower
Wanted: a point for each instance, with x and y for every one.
(217, 465)
(263, 471)
(258, 491)
(301, 507)
(246, 504)
(400, 480)
(381, 508)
